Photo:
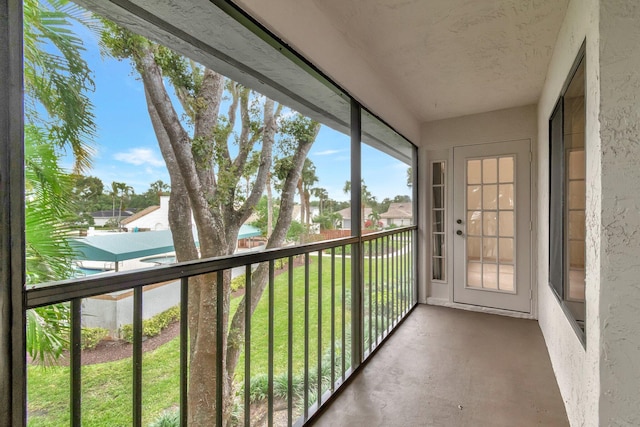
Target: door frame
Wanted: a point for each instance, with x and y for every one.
(530, 248)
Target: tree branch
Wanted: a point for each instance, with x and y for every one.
(236, 330)
(180, 144)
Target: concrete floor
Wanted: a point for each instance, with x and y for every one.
(447, 367)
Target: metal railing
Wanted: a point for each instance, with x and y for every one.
(318, 292)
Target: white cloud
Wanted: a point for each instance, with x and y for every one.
(140, 156)
(327, 152)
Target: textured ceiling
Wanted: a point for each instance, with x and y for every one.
(447, 58)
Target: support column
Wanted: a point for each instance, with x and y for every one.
(12, 323)
(357, 320)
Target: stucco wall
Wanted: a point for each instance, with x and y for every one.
(576, 368)
(619, 303)
(437, 141)
(156, 220)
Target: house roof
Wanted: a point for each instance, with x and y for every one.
(140, 214)
(399, 210)
(111, 214)
(346, 213)
(115, 247)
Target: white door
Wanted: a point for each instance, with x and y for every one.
(492, 225)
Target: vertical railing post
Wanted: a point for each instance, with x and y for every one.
(184, 350)
(247, 345)
(76, 362)
(219, 347)
(13, 398)
(414, 234)
(357, 320)
(137, 356)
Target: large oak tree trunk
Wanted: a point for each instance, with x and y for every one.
(204, 179)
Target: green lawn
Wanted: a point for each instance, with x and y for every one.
(106, 399)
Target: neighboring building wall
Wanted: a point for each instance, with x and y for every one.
(155, 220)
(114, 310)
(438, 139)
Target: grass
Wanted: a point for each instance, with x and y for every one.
(260, 319)
(106, 397)
(107, 392)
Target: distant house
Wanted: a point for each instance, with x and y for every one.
(297, 212)
(346, 217)
(398, 214)
(151, 218)
(100, 218)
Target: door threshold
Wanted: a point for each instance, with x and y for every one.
(480, 309)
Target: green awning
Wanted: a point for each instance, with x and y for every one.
(247, 231)
(115, 247)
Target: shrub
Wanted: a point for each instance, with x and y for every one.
(259, 387)
(238, 283)
(153, 326)
(167, 419)
(92, 336)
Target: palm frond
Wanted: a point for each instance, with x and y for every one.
(57, 78)
(47, 332)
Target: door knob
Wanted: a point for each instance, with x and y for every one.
(458, 221)
(459, 232)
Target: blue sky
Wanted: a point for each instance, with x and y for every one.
(126, 149)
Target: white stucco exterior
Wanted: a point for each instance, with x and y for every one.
(600, 383)
(438, 140)
(156, 219)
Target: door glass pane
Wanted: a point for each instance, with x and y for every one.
(490, 223)
(438, 173)
(438, 268)
(489, 227)
(438, 212)
(438, 221)
(474, 275)
(489, 171)
(489, 249)
(438, 197)
(474, 172)
(489, 198)
(506, 250)
(489, 276)
(438, 244)
(474, 224)
(506, 223)
(506, 196)
(473, 248)
(474, 197)
(506, 278)
(506, 169)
